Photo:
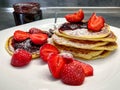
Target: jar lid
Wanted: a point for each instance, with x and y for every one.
(26, 7)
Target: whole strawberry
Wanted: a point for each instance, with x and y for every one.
(72, 73)
(21, 58)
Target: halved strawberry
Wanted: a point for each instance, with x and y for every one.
(95, 23)
(76, 17)
(35, 30)
(20, 35)
(46, 50)
(55, 64)
(39, 38)
(88, 69)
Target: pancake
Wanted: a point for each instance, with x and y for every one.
(102, 55)
(79, 53)
(84, 44)
(83, 53)
(84, 33)
(10, 49)
(110, 38)
(109, 46)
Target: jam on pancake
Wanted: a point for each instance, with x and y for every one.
(26, 45)
(73, 26)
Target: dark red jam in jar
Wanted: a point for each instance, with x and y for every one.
(26, 12)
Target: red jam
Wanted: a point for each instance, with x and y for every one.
(26, 45)
(26, 12)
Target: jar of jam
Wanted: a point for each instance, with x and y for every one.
(26, 12)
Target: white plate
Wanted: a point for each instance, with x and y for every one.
(36, 75)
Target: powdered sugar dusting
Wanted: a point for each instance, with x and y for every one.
(85, 32)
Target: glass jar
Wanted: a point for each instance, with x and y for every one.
(26, 12)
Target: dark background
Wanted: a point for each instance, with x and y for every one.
(112, 16)
(61, 3)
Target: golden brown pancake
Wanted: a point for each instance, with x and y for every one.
(84, 33)
(79, 53)
(102, 55)
(83, 53)
(109, 46)
(84, 44)
(110, 38)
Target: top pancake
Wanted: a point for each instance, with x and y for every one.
(85, 34)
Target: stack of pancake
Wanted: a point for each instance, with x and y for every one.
(83, 43)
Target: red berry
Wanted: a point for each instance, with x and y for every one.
(35, 31)
(20, 35)
(72, 73)
(46, 50)
(55, 63)
(21, 58)
(39, 38)
(88, 69)
(76, 17)
(95, 23)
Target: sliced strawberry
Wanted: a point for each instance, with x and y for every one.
(68, 57)
(39, 38)
(95, 23)
(21, 58)
(20, 35)
(88, 69)
(46, 50)
(76, 17)
(72, 73)
(35, 30)
(55, 64)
